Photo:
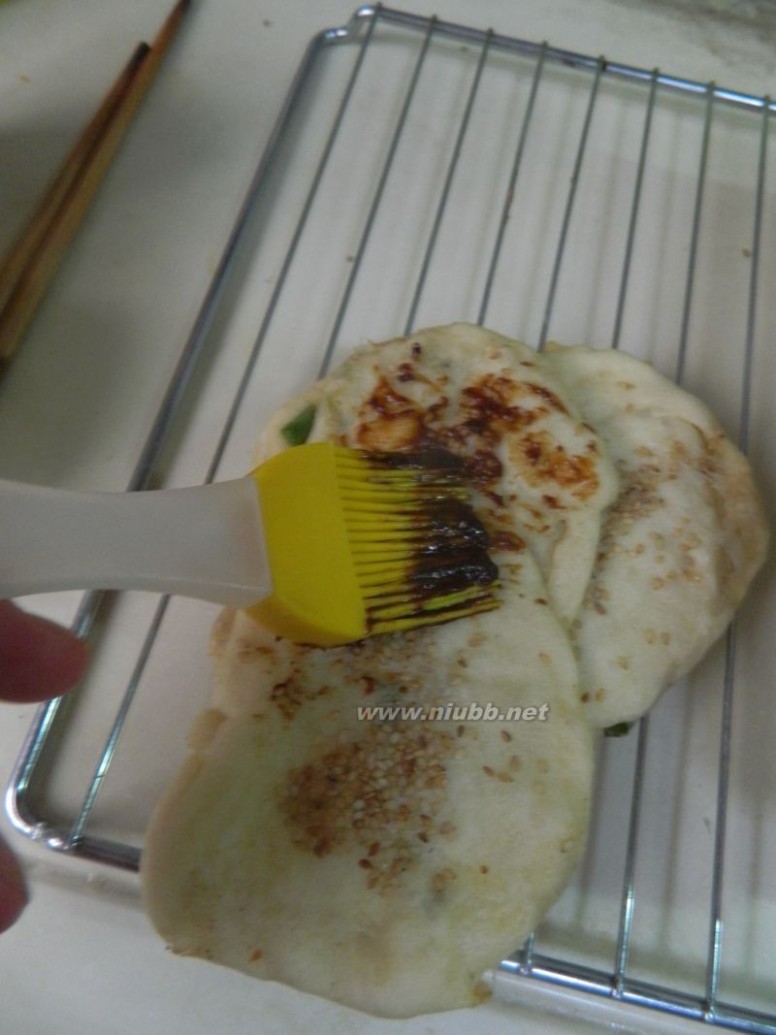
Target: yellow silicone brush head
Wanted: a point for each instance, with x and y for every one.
(362, 543)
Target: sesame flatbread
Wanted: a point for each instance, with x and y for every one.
(386, 859)
(540, 474)
(680, 545)
(382, 863)
(382, 822)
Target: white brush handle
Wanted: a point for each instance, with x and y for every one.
(204, 542)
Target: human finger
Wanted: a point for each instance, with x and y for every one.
(38, 659)
(13, 893)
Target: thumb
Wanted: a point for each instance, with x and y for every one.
(38, 659)
(13, 894)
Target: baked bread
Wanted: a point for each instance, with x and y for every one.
(382, 822)
(386, 862)
(680, 545)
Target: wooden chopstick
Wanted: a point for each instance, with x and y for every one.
(34, 259)
(24, 248)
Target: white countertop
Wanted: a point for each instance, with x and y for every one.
(83, 957)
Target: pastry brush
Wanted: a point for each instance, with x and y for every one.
(322, 544)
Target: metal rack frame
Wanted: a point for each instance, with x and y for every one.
(530, 965)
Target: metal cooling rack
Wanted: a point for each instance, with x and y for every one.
(423, 172)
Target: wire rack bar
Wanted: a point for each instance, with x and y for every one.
(569, 58)
(570, 199)
(715, 945)
(448, 181)
(553, 971)
(628, 902)
(694, 237)
(378, 194)
(634, 212)
(512, 184)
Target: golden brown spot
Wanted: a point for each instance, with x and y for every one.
(441, 878)
(288, 697)
(546, 396)
(489, 407)
(546, 460)
(388, 420)
(484, 467)
(504, 541)
(377, 793)
(639, 496)
(367, 684)
(482, 993)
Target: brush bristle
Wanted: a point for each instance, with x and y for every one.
(420, 552)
